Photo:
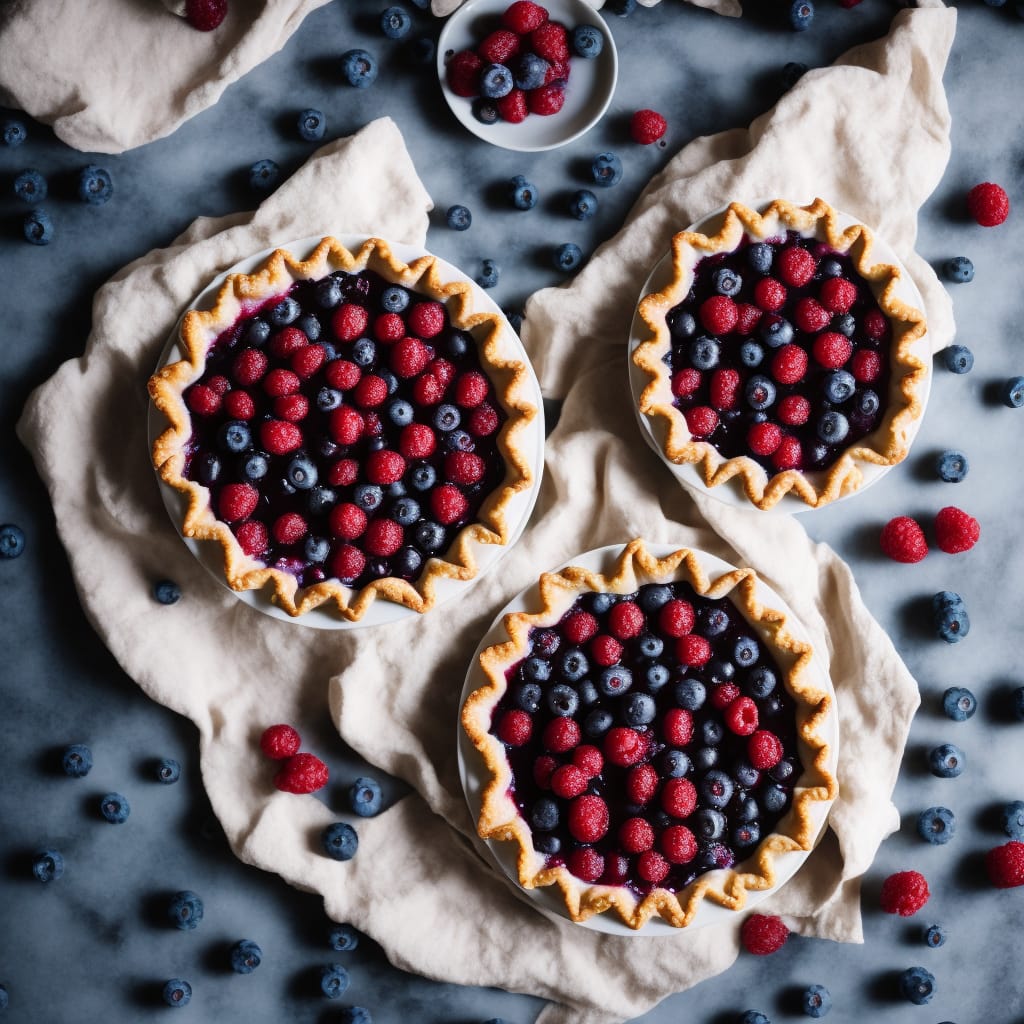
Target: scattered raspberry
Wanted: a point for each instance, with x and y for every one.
(789, 454)
(764, 438)
(647, 126)
(586, 863)
(955, 530)
(579, 627)
(693, 650)
(512, 108)
(641, 783)
(1005, 865)
(287, 341)
(685, 382)
(719, 314)
(764, 750)
(417, 441)
(388, 327)
(202, 401)
(679, 797)
(289, 528)
(794, 410)
(762, 934)
(831, 349)
(205, 15)
(589, 758)
(348, 563)
(546, 100)
(346, 425)
(239, 405)
(426, 319)
(588, 818)
(347, 521)
(280, 741)
(789, 364)
(253, 538)
(838, 295)
(409, 357)
(676, 617)
(524, 16)
(384, 467)
(796, 266)
(636, 835)
(550, 41)
(499, 46)
(302, 773)
(463, 73)
(349, 321)
(606, 650)
(866, 366)
(483, 422)
(514, 728)
(677, 727)
(904, 893)
(701, 420)
(769, 294)
(448, 504)
(249, 366)
(741, 716)
(725, 389)
(471, 389)
(626, 620)
(560, 735)
(342, 374)
(466, 468)
(652, 867)
(903, 540)
(988, 204)
(293, 408)
(624, 746)
(383, 538)
(810, 315)
(678, 844)
(343, 473)
(237, 502)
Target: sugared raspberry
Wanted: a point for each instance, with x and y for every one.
(550, 41)
(347, 521)
(220, 384)
(679, 797)
(388, 327)
(289, 528)
(605, 650)
(1005, 865)
(988, 204)
(448, 504)
(370, 392)
(409, 357)
(789, 454)
(514, 728)
(625, 620)
(616, 869)
(470, 389)
(723, 695)
(903, 540)
(904, 893)
(789, 364)
(483, 422)
(647, 126)
(343, 473)
(557, 73)
(463, 73)
(499, 46)
(589, 758)
(652, 867)
(560, 735)
(239, 405)
(796, 266)
(349, 321)
(725, 388)
(764, 438)
(794, 410)
(866, 366)
(280, 741)
(293, 408)
(383, 538)
(624, 746)
(693, 650)
(253, 538)
(749, 317)
(202, 400)
(524, 16)
(342, 374)
(443, 370)
(546, 100)
(543, 768)
(764, 750)
(512, 108)
(348, 563)
(466, 468)
(875, 325)
(579, 627)
(249, 366)
(762, 934)
(281, 382)
(426, 319)
(741, 716)
(678, 844)
(384, 467)
(810, 316)
(417, 441)
(701, 420)
(677, 727)
(279, 437)
(955, 530)
(641, 783)
(307, 360)
(586, 863)
(838, 295)
(636, 835)
(568, 781)
(302, 773)
(676, 617)
(831, 349)
(719, 314)
(237, 502)
(685, 382)
(770, 294)
(205, 15)
(588, 818)
(346, 425)
(287, 341)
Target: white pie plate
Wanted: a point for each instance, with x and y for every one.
(210, 554)
(548, 899)
(655, 430)
(587, 95)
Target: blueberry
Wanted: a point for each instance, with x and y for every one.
(14, 133)
(573, 665)
(622, 8)
(263, 175)
(936, 825)
(783, 771)
(760, 682)
(947, 761)
(458, 218)
(775, 331)
(395, 22)
(496, 82)
(114, 808)
(748, 776)
(524, 194)
(949, 616)
(952, 466)
(489, 274)
(833, 427)
(529, 70)
(255, 466)
(705, 352)
(339, 841)
(606, 170)
(423, 477)
(286, 312)
(245, 956)
(959, 269)
(716, 788)
(185, 910)
(751, 354)
(394, 299)
(674, 764)
(547, 844)
(917, 985)
(690, 694)
(935, 936)
(485, 111)
(311, 328)
(457, 343)
(167, 771)
(537, 670)
(760, 256)
(1013, 820)
(358, 68)
(587, 41)
(597, 722)
(759, 392)
(544, 815)
(801, 14)
(839, 386)
(365, 797)
(447, 417)
(177, 992)
(958, 359)
(408, 562)
(343, 938)
(76, 761)
(651, 646)
(562, 700)
(429, 537)
(311, 125)
(327, 293)
(30, 186)
(774, 799)
(234, 436)
(707, 823)
(458, 441)
(816, 1001)
(405, 511)
(302, 473)
(746, 652)
(47, 865)
(316, 549)
(567, 257)
(601, 604)
(720, 671)
(527, 697)
(95, 186)
(257, 332)
(752, 1017)
(845, 324)
(653, 597)
(959, 703)
(726, 281)
(333, 980)
(682, 325)
(639, 710)
(830, 268)
(615, 680)
(37, 227)
(745, 834)
(1012, 392)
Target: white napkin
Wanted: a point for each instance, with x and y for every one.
(416, 885)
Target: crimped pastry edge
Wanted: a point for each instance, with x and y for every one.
(906, 405)
(499, 818)
(276, 274)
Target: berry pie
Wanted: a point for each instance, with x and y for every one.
(344, 426)
(781, 354)
(653, 738)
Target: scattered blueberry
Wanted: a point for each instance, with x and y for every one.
(30, 186)
(917, 985)
(339, 841)
(489, 273)
(949, 615)
(1013, 392)
(245, 956)
(343, 938)
(622, 8)
(312, 124)
(95, 186)
(333, 980)
(365, 797)
(14, 133)
(37, 227)
(936, 825)
(567, 257)
(114, 807)
(168, 771)
(76, 761)
(752, 1017)
(355, 1015)
(816, 1001)
(801, 14)
(952, 466)
(496, 81)
(484, 111)
(177, 992)
(792, 72)
(935, 936)
(47, 865)
(4, 998)
(1017, 698)
(458, 218)
(166, 592)
(958, 269)
(959, 703)
(1013, 820)
(395, 22)
(946, 761)
(185, 910)
(583, 204)
(606, 170)
(263, 175)
(12, 540)
(359, 68)
(523, 193)
(958, 359)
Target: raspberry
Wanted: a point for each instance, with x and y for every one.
(605, 650)
(719, 314)
(343, 473)
(764, 438)
(676, 617)
(427, 390)
(810, 315)
(988, 204)
(789, 364)
(568, 781)
(543, 768)
(769, 294)
(723, 695)
(794, 410)
(483, 422)
(679, 797)
(701, 420)
(546, 100)
(875, 325)
(287, 341)
(202, 401)
(289, 528)
(579, 627)
(349, 321)
(281, 382)
(560, 735)
(647, 126)
(416, 441)
(762, 934)
(586, 863)
(588, 818)
(239, 405)
(426, 319)
(831, 349)
(249, 366)
(741, 716)
(685, 382)
(838, 295)
(512, 108)
(866, 366)
(220, 384)
(470, 389)
(789, 454)
(293, 408)
(302, 773)
(624, 746)
(678, 844)
(383, 538)
(636, 835)
(308, 360)
(725, 387)
(463, 73)
(641, 783)
(347, 521)
(370, 392)
(524, 16)
(237, 502)
(409, 357)
(253, 538)
(443, 371)
(904, 893)
(796, 266)
(205, 15)
(384, 467)
(693, 650)
(464, 468)
(514, 728)
(749, 317)
(499, 46)
(342, 374)
(348, 563)
(764, 750)
(677, 727)
(652, 867)
(346, 425)
(550, 41)
(557, 73)
(388, 327)
(589, 758)
(616, 869)
(279, 742)
(902, 539)
(625, 620)
(1005, 865)
(448, 504)
(955, 530)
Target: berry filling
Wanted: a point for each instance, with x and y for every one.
(780, 353)
(345, 430)
(650, 736)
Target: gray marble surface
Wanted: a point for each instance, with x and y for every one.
(92, 946)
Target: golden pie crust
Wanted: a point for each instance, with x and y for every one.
(887, 445)
(500, 818)
(240, 293)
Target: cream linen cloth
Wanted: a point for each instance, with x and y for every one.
(872, 135)
(105, 92)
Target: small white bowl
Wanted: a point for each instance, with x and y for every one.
(587, 94)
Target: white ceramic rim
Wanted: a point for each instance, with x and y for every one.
(588, 93)
(473, 772)
(655, 430)
(210, 553)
